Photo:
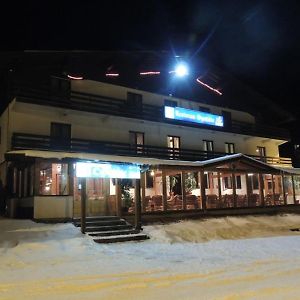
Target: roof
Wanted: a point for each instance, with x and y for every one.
(151, 161)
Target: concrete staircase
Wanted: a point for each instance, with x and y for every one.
(110, 229)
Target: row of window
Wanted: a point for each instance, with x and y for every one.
(138, 138)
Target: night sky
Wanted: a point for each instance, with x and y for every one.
(255, 41)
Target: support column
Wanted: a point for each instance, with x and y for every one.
(261, 189)
(137, 216)
(294, 194)
(273, 189)
(283, 190)
(219, 190)
(164, 190)
(143, 188)
(203, 196)
(83, 204)
(183, 190)
(247, 188)
(118, 198)
(234, 190)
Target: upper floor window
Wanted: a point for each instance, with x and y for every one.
(261, 151)
(174, 144)
(229, 148)
(208, 146)
(204, 109)
(137, 139)
(227, 118)
(60, 135)
(170, 103)
(134, 100)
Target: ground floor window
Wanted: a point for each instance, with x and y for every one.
(54, 179)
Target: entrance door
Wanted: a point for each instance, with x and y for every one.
(100, 198)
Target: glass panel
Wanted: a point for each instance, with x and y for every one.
(297, 188)
(212, 190)
(174, 192)
(254, 198)
(153, 195)
(288, 187)
(54, 179)
(268, 190)
(192, 190)
(241, 190)
(278, 190)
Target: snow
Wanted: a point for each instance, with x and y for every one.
(250, 257)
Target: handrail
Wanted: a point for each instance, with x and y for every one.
(113, 106)
(44, 142)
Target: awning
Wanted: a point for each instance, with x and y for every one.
(144, 160)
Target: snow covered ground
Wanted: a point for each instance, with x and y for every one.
(254, 257)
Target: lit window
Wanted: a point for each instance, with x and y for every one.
(54, 179)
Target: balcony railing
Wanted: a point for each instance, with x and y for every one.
(43, 142)
(112, 106)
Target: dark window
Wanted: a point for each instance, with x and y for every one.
(204, 109)
(238, 182)
(0, 135)
(206, 181)
(149, 179)
(208, 146)
(60, 135)
(134, 101)
(227, 118)
(170, 103)
(229, 148)
(227, 182)
(254, 181)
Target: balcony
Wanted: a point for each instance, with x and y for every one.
(22, 141)
(119, 107)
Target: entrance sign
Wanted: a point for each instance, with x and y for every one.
(109, 170)
(193, 116)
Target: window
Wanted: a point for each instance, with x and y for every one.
(204, 109)
(238, 182)
(60, 135)
(227, 118)
(227, 182)
(54, 179)
(0, 135)
(149, 179)
(262, 153)
(134, 101)
(229, 148)
(206, 181)
(208, 146)
(170, 103)
(174, 144)
(253, 178)
(137, 139)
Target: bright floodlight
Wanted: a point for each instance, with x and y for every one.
(181, 70)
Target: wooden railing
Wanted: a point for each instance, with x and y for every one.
(43, 142)
(118, 107)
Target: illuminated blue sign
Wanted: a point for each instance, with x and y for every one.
(194, 116)
(97, 170)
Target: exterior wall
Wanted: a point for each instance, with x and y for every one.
(112, 128)
(120, 92)
(58, 207)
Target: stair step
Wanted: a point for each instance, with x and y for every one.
(122, 238)
(114, 232)
(98, 218)
(107, 228)
(102, 223)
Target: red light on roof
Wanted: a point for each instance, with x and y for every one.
(209, 87)
(112, 74)
(150, 73)
(75, 77)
